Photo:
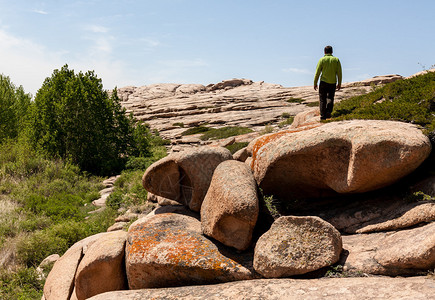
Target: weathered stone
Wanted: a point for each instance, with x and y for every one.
(341, 157)
(376, 211)
(423, 213)
(230, 208)
(60, 280)
(227, 142)
(185, 176)
(416, 288)
(102, 268)
(296, 245)
(405, 252)
(241, 155)
(127, 217)
(169, 250)
(117, 226)
(308, 117)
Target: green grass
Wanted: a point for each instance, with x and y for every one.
(209, 133)
(195, 130)
(410, 100)
(288, 121)
(267, 129)
(237, 146)
(312, 104)
(224, 132)
(44, 207)
(295, 100)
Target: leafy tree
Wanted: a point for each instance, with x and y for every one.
(14, 104)
(74, 118)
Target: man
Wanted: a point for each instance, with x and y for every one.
(330, 68)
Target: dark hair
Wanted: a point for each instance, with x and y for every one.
(328, 50)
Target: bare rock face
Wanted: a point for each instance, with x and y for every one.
(416, 288)
(102, 268)
(185, 176)
(405, 252)
(60, 280)
(230, 208)
(172, 108)
(419, 214)
(296, 245)
(169, 250)
(342, 157)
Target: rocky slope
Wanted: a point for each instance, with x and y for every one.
(172, 108)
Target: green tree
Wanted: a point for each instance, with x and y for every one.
(74, 118)
(14, 104)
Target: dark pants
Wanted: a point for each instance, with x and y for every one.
(326, 99)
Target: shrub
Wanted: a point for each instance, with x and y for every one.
(74, 118)
(20, 284)
(128, 190)
(179, 124)
(312, 104)
(58, 207)
(115, 200)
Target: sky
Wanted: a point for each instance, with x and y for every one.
(202, 41)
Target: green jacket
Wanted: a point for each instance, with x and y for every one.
(330, 68)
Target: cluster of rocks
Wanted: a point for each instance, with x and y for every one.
(217, 235)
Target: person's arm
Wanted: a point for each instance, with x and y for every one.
(339, 75)
(318, 71)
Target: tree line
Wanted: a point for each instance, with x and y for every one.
(73, 118)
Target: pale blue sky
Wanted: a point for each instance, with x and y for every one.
(197, 41)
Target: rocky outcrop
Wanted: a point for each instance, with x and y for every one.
(296, 245)
(341, 157)
(391, 253)
(173, 108)
(230, 208)
(169, 250)
(417, 288)
(185, 176)
(389, 234)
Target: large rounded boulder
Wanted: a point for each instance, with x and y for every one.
(185, 176)
(341, 157)
(169, 250)
(230, 208)
(296, 245)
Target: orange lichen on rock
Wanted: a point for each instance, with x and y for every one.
(169, 250)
